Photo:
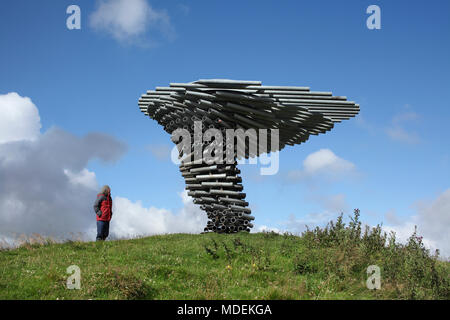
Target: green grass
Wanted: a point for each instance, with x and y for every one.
(327, 263)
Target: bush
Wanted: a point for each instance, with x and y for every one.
(409, 269)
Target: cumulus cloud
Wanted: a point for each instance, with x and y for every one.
(132, 219)
(326, 160)
(405, 230)
(19, 118)
(84, 178)
(433, 223)
(46, 188)
(323, 163)
(128, 20)
(435, 217)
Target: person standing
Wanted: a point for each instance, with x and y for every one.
(103, 210)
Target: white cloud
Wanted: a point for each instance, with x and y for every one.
(19, 118)
(432, 221)
(326, 160)
(322, 163)
(405, 230)
(132, 219)
(84, 178)
(264, 228)
(127, 20)
(435, 216)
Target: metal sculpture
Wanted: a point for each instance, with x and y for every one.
(291, 114)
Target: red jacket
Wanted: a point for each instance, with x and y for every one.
(103, 207)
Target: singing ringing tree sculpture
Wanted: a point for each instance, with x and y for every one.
(201, 116)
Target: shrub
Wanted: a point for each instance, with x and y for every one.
(347, 252)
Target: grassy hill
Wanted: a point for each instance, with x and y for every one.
(328, 263)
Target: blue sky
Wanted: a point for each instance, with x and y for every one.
(89, 80)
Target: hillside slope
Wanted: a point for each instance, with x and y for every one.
(325, 263)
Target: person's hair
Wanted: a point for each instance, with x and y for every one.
(105, 190)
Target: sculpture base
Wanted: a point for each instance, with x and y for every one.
(217, 189)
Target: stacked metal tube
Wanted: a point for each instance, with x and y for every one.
(217, 189)
(224, 104)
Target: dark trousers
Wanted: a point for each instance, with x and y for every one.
(102, 230)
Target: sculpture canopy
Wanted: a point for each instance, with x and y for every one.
(296, 111)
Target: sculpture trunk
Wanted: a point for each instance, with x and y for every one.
(214, 189)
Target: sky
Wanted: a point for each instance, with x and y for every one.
(70, 123)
